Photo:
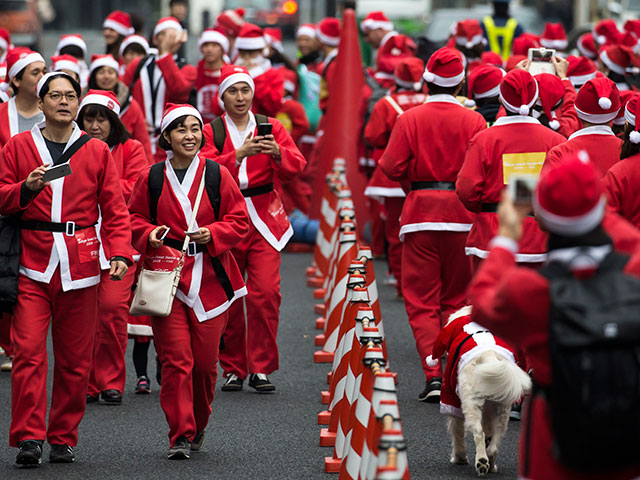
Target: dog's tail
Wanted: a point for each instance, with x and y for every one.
(500, 380)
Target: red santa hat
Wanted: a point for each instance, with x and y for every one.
(617, 58)
(5, 39)
(65, 62)
(273, 36)
(232, 74)
(211, 35)
(580, 70)
(444, 68)
(120, 22)
(106, 98)
(469, 33)
(625, 98)
(408, 73)
(598, 101)
(633, 27)
(492, 58)
(605, 32)
(74, 39)
(134, 39)
(554, 36)
(444, 339)
(518, 91)
(483, 82)
(98, 61)
(328, 31)
(18, 59)
(173, 112)
(551, 93)
(513, 61)
(251, 37)
(587, 46)
(375, 20)
(630, 112)
(231, 21)
(569, 199)
(524, 42)
(167, 23)
(306, 30)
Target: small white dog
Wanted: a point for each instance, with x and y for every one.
(481, 382)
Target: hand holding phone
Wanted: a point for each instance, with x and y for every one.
(264, 129)
(55, 172)
(164, 234)
(521, 188)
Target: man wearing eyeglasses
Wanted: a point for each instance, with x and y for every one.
(59, 266)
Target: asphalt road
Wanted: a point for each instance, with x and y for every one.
(254, 436)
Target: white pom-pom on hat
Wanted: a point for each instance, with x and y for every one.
(469, 103)
(605, 103)
(469, 45)
(554, 124)
(429, 77)
(634, 137)
(4, 86)
(523, 110)
(432, 362)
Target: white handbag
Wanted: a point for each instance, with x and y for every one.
(155, 290)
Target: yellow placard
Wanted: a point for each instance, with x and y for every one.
(529, 163)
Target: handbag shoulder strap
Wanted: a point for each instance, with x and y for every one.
(73, 148)
(196, 207)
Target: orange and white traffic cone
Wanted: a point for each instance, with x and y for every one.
(392, 455)
(384, 394)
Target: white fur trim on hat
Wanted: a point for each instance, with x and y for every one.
(131, 39)
(405, 84)
(67, 65)
(177, 113)
(327, 40)
(443, 81)
(595, 117)
(570, 226)
(72, 40)
(23, 63)
(629, 117)
(306, 31)
(523, 110)
(557, 44)
(214, 37)
(232, 80)
(582, 79)
(494, 92)
(3, 44)
(166, 24)
(432, 362)
(45, 78)
(250, 43)
(104, 62)
(470, 43)
(118, 27)
(369, 24)
(105, 101)
(610, 64)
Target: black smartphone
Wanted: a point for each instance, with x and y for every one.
(264, 129)
(58, 171)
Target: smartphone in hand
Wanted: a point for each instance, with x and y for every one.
(264, 129)
(56, 172)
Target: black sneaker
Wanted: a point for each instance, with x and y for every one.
(181, 450)
(431, 392)
(261, 383)
(61, 454)
(516, 412)
(113, 397)
(198, 441)
(30, 452)
(92, 399)
(232, 384)
(143, 386)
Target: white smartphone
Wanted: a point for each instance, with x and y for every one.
(164, 234)
(521, 188)
(192, 232)
(57, 171)
(541, 60)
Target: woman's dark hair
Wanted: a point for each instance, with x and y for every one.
(93, 84)
(134, 48)
(178, 122)
(118, 133)
(45, 88)
(438, 90)
(628, 147)
(543, 119)
(114, 48)
(72, 50)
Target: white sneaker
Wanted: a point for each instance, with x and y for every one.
(7, 365)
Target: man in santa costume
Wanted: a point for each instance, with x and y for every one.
(597, 104)
(59, 267)
(555, 107)
(554, 36)
(434, 224)
(24, 69)
(470, 41)
(250, 347)
(328, 32)
(483, 89)
(516, 143)
(131, 48)
(213, 46)
(161, 79)
(308, 47)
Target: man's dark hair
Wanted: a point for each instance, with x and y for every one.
(72, 50)
(628, 147)
(135, 48)
(178, 2)
(118, 133)
(438, 90)
(19, 77)
(178, 122)
(45, 88)
(501, 9)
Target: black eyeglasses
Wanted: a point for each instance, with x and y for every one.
(57, 96)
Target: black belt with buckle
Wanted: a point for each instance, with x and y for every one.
(433, 186)
(253, 191)
(68, 228)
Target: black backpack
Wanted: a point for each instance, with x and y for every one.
(594, 345)
(212, 186)
(220, 133)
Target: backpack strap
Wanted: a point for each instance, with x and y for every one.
(156, 181)
(212, 184)
(136, 74)
(219, 133)
(261, 118)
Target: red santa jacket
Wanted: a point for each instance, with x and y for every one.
(8, 121)
(133, 119)
(92, 188)
(269, 91)
(491, 158)
(621, 182)
(265, 209)
(427, 145)
(514, 303)
(377, 133)
(598, 141)
(207, 82)
(467, 339)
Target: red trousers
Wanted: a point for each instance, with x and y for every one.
(435, 275)
(251, 346)
(393, 206)
(376, 213)
(108, 370)
(188, 352)
(72, 316)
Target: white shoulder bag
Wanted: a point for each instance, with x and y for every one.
(155, 290)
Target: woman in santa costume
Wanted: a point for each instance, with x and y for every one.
(115, 28)
(59, 267)
(434, 224)
(99, 117)
(24, 69)
(187, 340)
(254, 161)
(408, 93)
(213, 47)
(104, 76)
(161, 79)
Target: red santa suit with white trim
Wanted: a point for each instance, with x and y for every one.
(252, 347)
(514, 144)
(207, 80)
(187, 340)
(434, 224)
(59, 276)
